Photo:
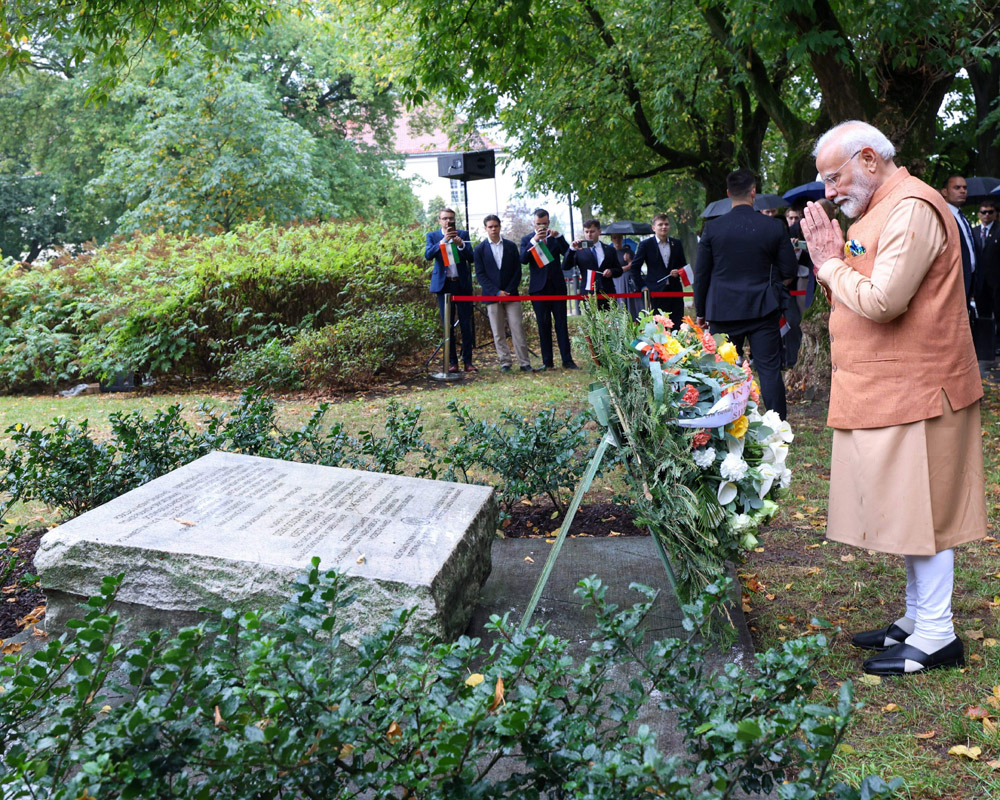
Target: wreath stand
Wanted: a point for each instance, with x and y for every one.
(602, 402)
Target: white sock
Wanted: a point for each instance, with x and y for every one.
(934, 579)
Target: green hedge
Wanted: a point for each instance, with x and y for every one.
(162, 303)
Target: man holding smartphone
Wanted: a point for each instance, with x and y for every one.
(451, 252)
(542, 251)
(597, 262)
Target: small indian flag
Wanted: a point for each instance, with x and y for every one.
(783, 326)
(591, 280)
(449, 254)
(686, 274)
(541, 254)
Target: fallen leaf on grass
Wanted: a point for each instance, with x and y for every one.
(891, 707)
(497, 694)
(758, 549)
(926, 735)
(988, 642)
(553, 515)
(971, 753)
(976, 712)
(769, 596)
(526, 503)
(871, 680)
(788, 586)
(847, 559)
(615, 533)
(529, 559)
(812, 546)
(813, 570)
(474, 679)
(845, 749)
(989, 725)
(976, 635)
(798, 515)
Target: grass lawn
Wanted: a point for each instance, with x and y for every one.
(906, 726)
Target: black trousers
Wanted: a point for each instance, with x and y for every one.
(464, 311)
(764, 336)
(551, 313)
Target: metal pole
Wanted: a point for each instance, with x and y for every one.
(465, 191)
(572, 235)
(550, 562)
(444, 375)
(646, 299)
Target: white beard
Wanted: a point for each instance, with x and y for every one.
(854, 203)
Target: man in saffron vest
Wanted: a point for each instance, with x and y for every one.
(907, 463)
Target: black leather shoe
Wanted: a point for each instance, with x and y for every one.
(527, 368)
(570, 365)
(505, 368)
(875, 640)
(544, 368)
(893, 661)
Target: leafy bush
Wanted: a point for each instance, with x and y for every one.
(159, 303)
(271, 365)
(530, 457)
(69, 469)
(356, 349)
(273, 705)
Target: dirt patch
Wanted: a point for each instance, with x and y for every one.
(18, 598)
(600, 518)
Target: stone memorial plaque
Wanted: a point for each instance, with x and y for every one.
(237, 530)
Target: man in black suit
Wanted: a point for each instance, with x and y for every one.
(663, 258)
(955, 191)
(739, 257)
(452, 275)
(542, 251)
(597, 262)
(987, 238)
(498, 270)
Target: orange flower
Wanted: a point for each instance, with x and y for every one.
(701, 438)
(690, 396)
(754, 392)
(694, 326)
(666, 322)
(707, 343)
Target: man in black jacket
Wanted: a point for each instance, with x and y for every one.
(741, 256)
(663, 257)
(498, 270)
(597, 262)
(542, 251)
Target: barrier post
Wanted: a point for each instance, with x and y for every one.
(647, 301)
(444, 375)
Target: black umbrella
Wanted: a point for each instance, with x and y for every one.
(980, 188)
(814, 190)
(763, 201)
(628, 227)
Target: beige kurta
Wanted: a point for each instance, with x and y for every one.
(913, 489)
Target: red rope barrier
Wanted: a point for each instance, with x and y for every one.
(474, 298)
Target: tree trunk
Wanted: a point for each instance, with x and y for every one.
(985, 87)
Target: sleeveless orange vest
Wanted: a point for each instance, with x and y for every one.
(892, 373)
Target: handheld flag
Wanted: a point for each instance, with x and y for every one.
(686, 274)
(591, 280)
(449, 254)
(784, 326)
(541, 254)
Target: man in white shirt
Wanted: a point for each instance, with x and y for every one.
(498, 270)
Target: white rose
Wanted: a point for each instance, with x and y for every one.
(786, 478)
(742, 521)
(704, 457)
(733, 467)
(771, 419)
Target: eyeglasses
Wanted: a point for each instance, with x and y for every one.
(987, 211)
(832, 180)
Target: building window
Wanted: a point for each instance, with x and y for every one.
(456, 192)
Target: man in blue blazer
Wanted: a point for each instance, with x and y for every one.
(546, 278)
(740, 256)
(454, 277)
(663, 257)
(591, 255)
(498, 270)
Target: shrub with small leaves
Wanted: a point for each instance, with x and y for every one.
(250, 705)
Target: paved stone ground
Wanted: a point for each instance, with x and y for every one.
(618, 562)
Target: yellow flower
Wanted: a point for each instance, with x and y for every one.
(672, 346)
(728, 352)
(739, 427)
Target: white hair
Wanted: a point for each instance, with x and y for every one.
(854, 135)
